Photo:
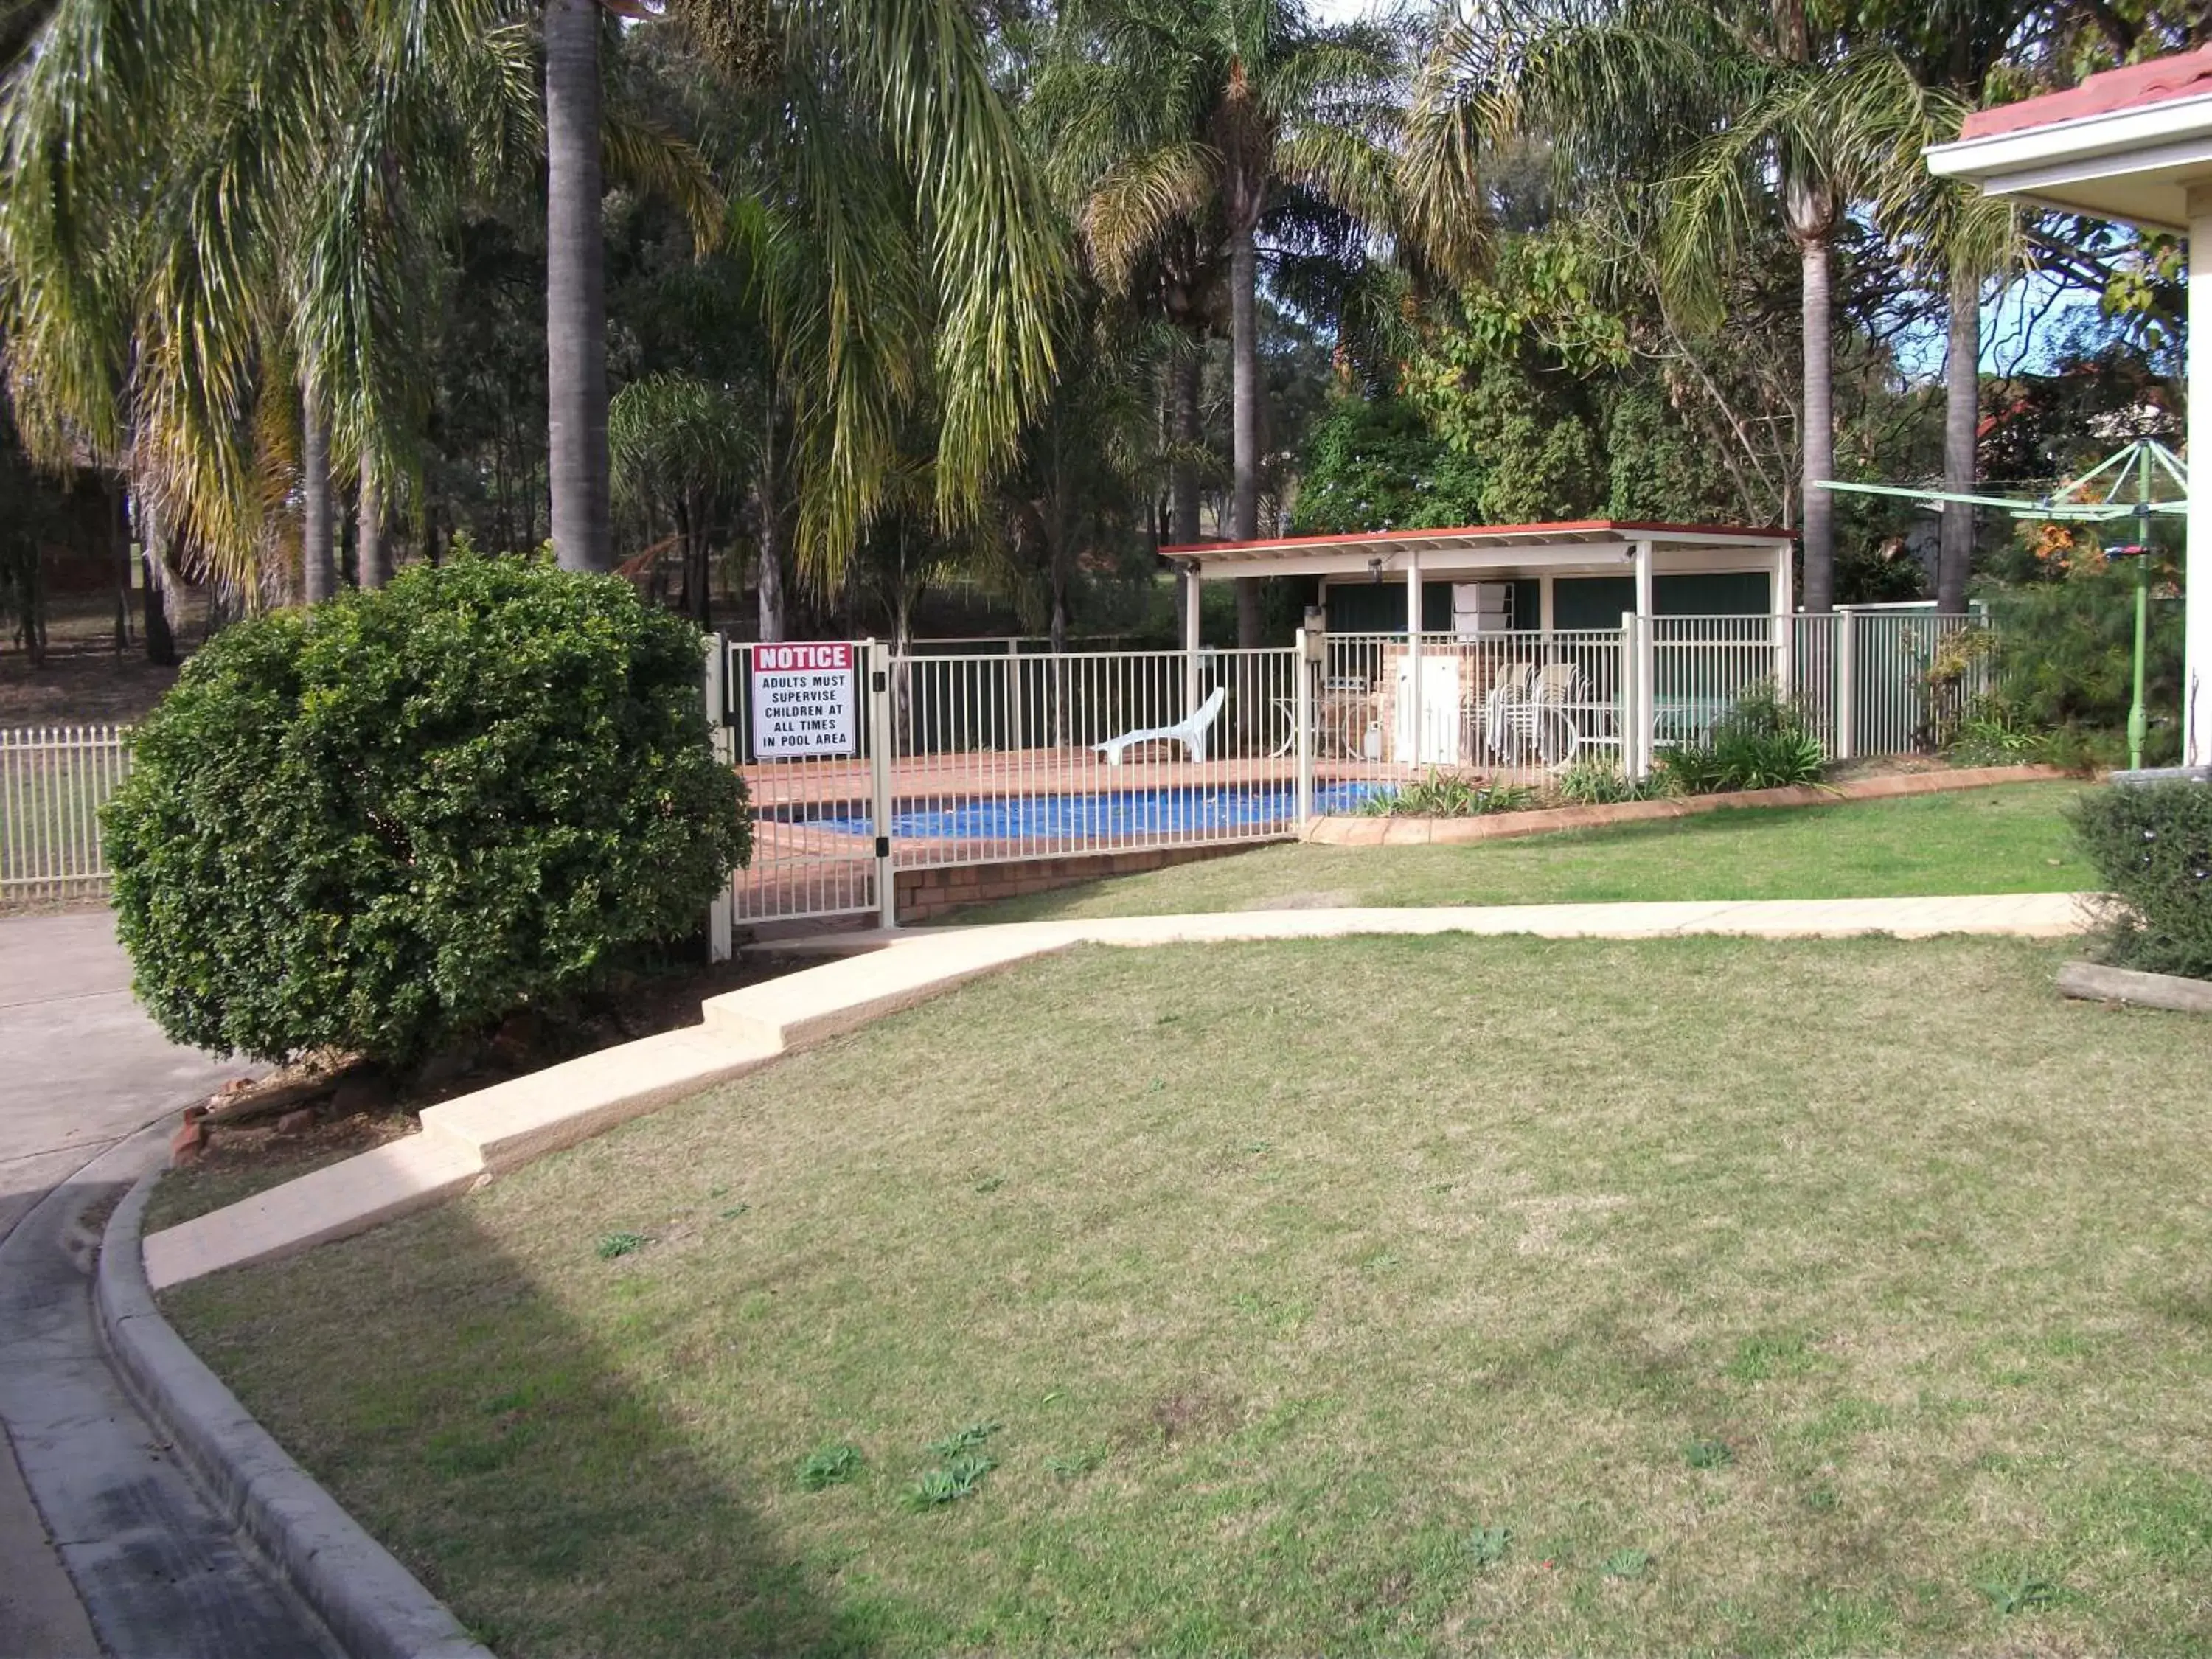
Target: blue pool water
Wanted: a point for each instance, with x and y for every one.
(1116, 814)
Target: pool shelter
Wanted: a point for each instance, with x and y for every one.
(1581, 573)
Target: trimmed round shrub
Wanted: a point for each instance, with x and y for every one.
(2152, 843)
(385, 823)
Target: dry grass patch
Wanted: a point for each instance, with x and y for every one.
(1406, 1295)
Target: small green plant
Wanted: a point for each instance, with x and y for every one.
(962, 1440)
(2152, 846)
(2021, 1592)
(1487, 1546)
(829, 1465)
(1599, 783)
(990, 1184)
(1690, 768)
(956, 1480)
(1764, 742)
(1708, 1454)
(618, 1244)
(1992, 733)
(1073, 1466)
(1626, 1563)
(1448, 795)
(735, 1211)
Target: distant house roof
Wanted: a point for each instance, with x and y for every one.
(2183, 75)
(2129, 144)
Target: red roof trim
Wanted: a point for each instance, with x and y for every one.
(2160, 80)
(1479, 531)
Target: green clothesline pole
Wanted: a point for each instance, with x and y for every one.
(2138, 721)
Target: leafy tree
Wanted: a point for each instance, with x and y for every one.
(1376, 467)
(1756, 114)
(682, 449)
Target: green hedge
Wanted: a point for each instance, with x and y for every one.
(2152, 844)
(387, 823)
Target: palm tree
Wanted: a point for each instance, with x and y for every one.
(1175, 120)
(1744, 108)
(908, 262)
(1952, 47)
(214, 233)
(575, 289)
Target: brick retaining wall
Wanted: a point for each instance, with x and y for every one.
(925, 894)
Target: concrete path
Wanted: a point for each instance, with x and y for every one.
(80, 1066)
(154, 1571)
(868, 975)
(2021, 915)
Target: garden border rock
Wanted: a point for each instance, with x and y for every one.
(2092, 981)
(1365, 831)
(372, 1604)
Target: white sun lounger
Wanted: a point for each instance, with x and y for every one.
(1190, 732)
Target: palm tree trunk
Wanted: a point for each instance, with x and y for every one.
(1244, 386)
(375, 569)
(1183, 373)
(1962, 416)
(161, 640)
(318, 570)
(766, 495)
(119, 534)
(575, 296)
(1819, 531)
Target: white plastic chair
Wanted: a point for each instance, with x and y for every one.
(1190, 732)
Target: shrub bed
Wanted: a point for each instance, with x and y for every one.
(387, 823)
(2152, 843)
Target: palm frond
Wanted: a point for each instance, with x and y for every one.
(1132, 205)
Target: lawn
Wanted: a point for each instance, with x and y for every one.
(2012, 838)
(1377, 1295)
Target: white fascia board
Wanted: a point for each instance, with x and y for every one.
(1437, 563)
(2157, 137)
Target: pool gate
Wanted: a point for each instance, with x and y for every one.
(862, 762)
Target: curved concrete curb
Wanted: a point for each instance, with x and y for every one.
(372, 1604)
(1357, 831)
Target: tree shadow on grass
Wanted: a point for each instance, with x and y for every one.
(525, 1471)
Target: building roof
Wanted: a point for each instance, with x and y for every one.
(2182, 74)
(1489, 538)
(2129, 144)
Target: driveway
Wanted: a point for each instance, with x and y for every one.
(81, 1069)
(80, 1066)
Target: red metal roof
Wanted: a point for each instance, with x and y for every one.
(2182, 75)
(1564, 530)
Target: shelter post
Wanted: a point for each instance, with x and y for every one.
(1191, 694)
(1413, 755)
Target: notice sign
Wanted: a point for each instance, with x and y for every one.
(803, 700)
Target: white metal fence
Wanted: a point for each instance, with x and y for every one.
(988, 756)
(53, 782)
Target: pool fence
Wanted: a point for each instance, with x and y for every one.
(53, 782)
(871, 770)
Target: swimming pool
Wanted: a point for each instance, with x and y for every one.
(1112, 815)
